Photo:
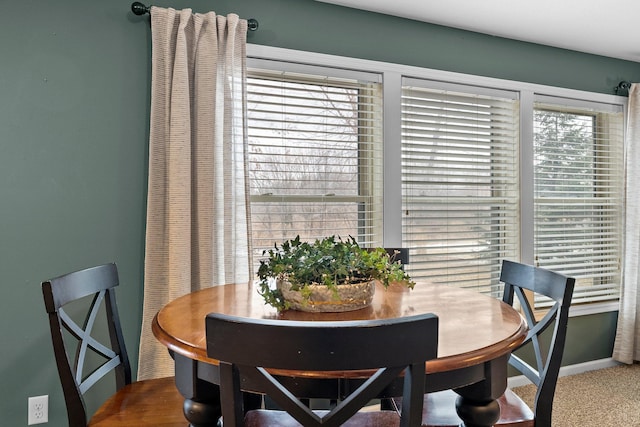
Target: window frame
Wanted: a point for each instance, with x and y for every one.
(595, 111)
(392, 76)
(470, 214)
(297, 79)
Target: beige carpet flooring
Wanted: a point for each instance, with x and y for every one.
(601, 398)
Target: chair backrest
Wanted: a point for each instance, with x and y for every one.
(97, 284)
(399, 254)
(517, 279)
(250, 350)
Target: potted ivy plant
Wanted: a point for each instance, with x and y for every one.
(329, 274)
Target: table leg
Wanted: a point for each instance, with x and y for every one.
(474, 413)
(476, 404)
(202, 399)
(201, 414)
(195, 381)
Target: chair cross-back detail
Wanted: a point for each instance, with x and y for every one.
(145, 403)
(253, 354)
(399, 254)
(543, 372)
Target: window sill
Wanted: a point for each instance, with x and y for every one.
(594, 308)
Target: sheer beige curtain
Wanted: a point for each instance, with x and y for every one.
(627, 343)
(197, 228)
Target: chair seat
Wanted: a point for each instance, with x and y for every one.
(265, 417)
(149, 403)
(439, 410)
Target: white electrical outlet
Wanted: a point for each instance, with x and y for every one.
(38, 410)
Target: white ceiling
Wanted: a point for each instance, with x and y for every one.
(609, 28)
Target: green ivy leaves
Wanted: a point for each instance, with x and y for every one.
(330, 261)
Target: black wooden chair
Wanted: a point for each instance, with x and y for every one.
(252, 351)
(439, 408)
(399, 254)
(144, 403)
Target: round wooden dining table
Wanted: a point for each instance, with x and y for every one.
(477, 333)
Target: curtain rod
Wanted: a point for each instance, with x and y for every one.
(140, 9)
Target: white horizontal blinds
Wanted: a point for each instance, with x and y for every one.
(315, 157)
(578, 195)
(459, 183)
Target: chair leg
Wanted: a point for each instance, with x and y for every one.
(252, 401)
(387, 405)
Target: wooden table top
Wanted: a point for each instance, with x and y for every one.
(474, 328)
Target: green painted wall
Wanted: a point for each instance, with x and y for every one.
(74, 94)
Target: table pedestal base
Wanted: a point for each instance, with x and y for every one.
(476, 404)
(201, 414)
(477, 414)
(202, 398)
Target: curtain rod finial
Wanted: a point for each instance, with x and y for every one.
(139, 8)
(623, 86)
(252, 24)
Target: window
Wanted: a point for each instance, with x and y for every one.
(315, 155)
(460, 184)
(578, 186)
(464, 171)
